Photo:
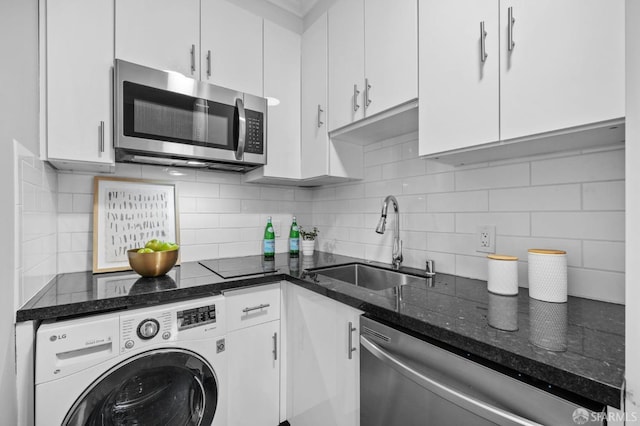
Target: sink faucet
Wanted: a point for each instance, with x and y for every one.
(396, 254)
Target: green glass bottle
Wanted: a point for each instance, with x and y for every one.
(269, 240)
(294, 239)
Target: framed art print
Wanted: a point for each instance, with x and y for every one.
(126, 214)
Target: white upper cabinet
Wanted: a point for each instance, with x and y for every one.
(231, 49)
(566, 67)
(346, 62)
(79, 61)
(282, 90)
(315, 137)
(459, 80)
(391, 53)
(161, 34)
(539, 73)
(373, 58)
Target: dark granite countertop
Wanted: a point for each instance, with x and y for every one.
(576, 347)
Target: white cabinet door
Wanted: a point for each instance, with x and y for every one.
(282, 89)
(459, 92)
(566, 67)
(79, 44)
(232, 37)
(315, 138)
(391, 53)
(254, 375)
(324, 384)
(161, 34)
(346, 62)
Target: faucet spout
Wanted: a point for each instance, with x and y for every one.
(396, 254)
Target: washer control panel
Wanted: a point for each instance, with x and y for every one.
(195, 317)
(139, 329)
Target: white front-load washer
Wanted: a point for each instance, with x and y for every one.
(164, 365)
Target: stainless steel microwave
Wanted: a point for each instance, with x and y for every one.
(165, 118)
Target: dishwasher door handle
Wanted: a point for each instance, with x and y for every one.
(467, 402)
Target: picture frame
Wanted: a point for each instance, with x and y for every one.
(128, 212)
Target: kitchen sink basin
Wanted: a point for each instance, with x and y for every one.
(367, 276)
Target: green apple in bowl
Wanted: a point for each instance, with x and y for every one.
(146, 250)
(154, 244)
(166, 246)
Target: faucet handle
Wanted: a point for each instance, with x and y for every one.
(430, 270)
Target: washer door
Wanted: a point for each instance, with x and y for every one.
(159, 387)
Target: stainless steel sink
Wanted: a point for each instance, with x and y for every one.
(368, 276)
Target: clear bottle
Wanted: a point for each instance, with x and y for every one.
(269, 246)
(294, 239)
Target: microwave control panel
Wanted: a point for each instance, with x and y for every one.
(255, 132)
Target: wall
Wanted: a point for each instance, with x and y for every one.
(18, 122)
(570, 202)
(220, 216)
(36, 185)
(632, 321)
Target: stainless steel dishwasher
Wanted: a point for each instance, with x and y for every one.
(406, 381)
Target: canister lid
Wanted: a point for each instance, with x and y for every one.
(547, 251)
(501, 257)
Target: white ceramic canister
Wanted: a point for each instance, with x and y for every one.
(548, 275)
(503, 274)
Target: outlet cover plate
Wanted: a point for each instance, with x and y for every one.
(486, 238)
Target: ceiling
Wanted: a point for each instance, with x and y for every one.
(297, 7)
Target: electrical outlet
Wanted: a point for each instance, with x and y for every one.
(277, 225)
(486, 239)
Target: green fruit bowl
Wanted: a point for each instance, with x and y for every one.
(152, 264)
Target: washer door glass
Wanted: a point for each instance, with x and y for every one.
(159, 387)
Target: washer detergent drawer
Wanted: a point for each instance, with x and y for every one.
(252, 306)
(67, 347)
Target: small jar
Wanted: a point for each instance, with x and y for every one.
(548, 275)
(503, 274)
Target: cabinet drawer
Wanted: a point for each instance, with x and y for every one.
(253, 305)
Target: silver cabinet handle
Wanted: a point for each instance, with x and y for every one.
(275, 346)
(483, 42)
(510, 21)
(444, 390)
(193, 58)
(208, 63)
(351, 348)
(102, 136)
(356, 93)
(242, 129)
(320, 111)
(367, 88)
(255, 308)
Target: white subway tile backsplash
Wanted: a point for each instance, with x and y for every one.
(471, 267)
(303, 194)
(516, 224)
(579, 225)
(199, 220)
(75, 262)
(412, 203)
(452, 243)
(410, 150)
(604, 255)
(433, 222)
(608, 165)
(470, 201)
(382, 156)
(440, 182)
(536, 198)
(81, 241)
(383, 188)
(512, 175)
(372, 174)
(406, 168)
(603, 196)
(239, 191)
(216, 205)
(187, 205)
(595, 284)
(519, 246)
(198, 189)
(240, 220)
(280, 194)
(75, 183)
(414, 240)
(347, 192)
(75, 222)
(218, 177)
(82, 203)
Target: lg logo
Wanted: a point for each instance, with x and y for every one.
(56, 337)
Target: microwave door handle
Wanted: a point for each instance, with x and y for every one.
(242, 129)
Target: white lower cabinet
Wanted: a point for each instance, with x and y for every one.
(323, 360)
(253, 345)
